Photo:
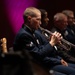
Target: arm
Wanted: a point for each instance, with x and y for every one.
(52, 60)
(43, 50)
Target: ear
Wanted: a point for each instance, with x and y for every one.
(29, 18)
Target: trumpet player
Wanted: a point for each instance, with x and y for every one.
(52, 60)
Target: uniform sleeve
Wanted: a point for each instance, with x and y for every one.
(52, 60)
(31, 46)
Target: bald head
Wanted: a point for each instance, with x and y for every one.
(59, 16)
(60, 21)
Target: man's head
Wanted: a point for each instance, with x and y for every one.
(70, 16)
(44, 17)
(60, 21)
(32, 17)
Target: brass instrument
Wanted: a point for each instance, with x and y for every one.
(64, 43)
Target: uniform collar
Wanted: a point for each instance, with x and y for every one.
(27, 28)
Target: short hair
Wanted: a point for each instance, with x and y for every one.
(43, 12)
(30, 11)
(59, 16)
(67, 12)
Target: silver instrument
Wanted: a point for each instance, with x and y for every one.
(64, 43)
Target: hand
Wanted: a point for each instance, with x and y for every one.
(64, 63)
(55, 38)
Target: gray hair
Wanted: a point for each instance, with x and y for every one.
(31, 11)
(67, 12)
(59, 16)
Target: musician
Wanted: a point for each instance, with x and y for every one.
(71, 20)
(71, 27)
(68, 34)
(61, 51)
(60, 24)
(45, 54)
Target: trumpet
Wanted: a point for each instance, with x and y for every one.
(64, 43)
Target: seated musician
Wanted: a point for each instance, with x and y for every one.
(44, 53)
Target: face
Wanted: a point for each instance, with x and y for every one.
(71, 19)
(46, 19)
(35, 21)
(62, 24)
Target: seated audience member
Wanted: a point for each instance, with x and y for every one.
(45, 54)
